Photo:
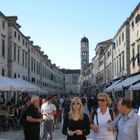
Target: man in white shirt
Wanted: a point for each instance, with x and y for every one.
(139, 111)
(48, 110)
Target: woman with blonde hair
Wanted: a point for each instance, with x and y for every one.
(100, 122)
(76, 122)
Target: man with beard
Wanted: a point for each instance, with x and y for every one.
(33, 119)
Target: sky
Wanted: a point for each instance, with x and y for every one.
(58, 26)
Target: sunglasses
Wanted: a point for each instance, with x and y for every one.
(102, 100)
(75, 103)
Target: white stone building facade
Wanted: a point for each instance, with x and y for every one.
(3, 45)
(134, 25)
(118, 61)
(20, 58)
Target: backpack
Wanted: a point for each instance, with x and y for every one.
(94, 114)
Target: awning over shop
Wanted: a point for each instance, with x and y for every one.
(110, 88)
(135, 87)
(127, 82)
(7, 84)
(18, 85)
(26, 86)
(43, 92)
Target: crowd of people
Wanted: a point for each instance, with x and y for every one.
(41, 116)
(10, 116)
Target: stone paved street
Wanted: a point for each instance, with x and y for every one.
(12, 135)
(18, 135)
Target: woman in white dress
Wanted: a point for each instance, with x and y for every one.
(101, 122)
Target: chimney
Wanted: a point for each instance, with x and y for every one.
(12, 20)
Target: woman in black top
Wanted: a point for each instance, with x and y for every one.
(76, 122)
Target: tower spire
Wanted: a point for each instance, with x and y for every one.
(84, 53)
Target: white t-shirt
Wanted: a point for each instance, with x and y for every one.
(103, 125)
(139, 111)
(48, 108)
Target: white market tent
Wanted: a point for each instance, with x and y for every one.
(26, 86)
(7, 84)
(18, 85)
(43, 92)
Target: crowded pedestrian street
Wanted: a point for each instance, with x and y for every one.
(18, 135)
(66, 73)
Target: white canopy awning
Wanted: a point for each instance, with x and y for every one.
(135, 87)
(127, 82)
(7, 84)
(26, 86)
(19, 85)
(110, 88)
(43, 92)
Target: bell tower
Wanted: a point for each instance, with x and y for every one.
(84, 53)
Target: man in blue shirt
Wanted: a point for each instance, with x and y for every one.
(128, 122)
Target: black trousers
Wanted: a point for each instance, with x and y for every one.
(32, 133)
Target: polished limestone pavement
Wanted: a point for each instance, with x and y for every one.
(11, 135)
(18, 135)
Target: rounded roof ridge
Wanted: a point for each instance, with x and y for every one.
(84, 39)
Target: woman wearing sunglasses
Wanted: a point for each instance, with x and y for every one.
(101, 122)
(76, 122)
